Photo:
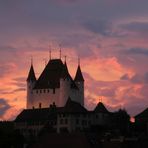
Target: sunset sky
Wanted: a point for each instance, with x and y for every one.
(110, 37)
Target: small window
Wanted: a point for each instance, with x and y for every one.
(44, 90)
(54, 91)
(48, 90)
(40, 91)
(40, 105)
(37, 91)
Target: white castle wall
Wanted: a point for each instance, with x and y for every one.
(45, 97)
(64, 91)
(29, 94)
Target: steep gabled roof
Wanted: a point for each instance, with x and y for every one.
(45, 114)
(29, 115)
(100, 108)
(31, 75)
(72, 107)
(79, 76)
(50, 77)
(143, 114)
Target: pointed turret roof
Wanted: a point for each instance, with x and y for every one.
(31, 75)
(79, 76)
(100, 108)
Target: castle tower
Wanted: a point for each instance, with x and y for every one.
(31, 80)
(65, 83)
(79, 81)
(55, 84)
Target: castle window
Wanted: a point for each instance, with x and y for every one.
(48, 91)
(37, 91)
(44, 90)
(40, 91)
(54, 91)
(40, 105)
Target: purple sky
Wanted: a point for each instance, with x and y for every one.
(110, 36)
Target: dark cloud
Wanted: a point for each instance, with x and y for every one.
(4, 106)
(125, 77)
(7, 48)
(136, 51)
(136, 27)
(136, 78)
(99, 26)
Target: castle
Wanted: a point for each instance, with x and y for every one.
(54, 85)
(56, 101)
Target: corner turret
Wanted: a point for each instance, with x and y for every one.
(79, 76)
(31, 76)
(31, 80)
(79, 81)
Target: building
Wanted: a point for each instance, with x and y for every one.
(55, 84)
(55, 101)
(69, 118)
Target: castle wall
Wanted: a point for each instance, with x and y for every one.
(44, 97)
(30, 86)
(64, 91)
(78, 94)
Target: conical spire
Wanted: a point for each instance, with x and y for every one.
(100, 108)
(79, 76)
(31, 75)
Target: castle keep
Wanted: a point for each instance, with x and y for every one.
(54, 85)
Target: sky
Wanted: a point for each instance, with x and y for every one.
(109, 36)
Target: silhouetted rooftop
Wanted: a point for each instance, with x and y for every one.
(79, 76)
(100, 108)
(31, 75)
(72, 107)
(50, 77)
